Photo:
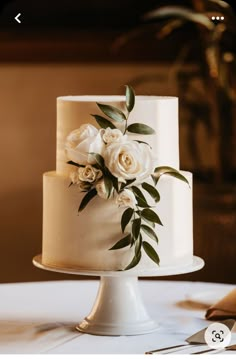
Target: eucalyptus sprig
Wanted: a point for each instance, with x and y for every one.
(115, 114)
(138, 219)
(144, 219)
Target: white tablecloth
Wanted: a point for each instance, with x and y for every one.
(40, 317)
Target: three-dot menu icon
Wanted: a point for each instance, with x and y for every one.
(218, 18)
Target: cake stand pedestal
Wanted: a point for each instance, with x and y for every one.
(118, 308)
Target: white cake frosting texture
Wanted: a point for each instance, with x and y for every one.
(83, 241)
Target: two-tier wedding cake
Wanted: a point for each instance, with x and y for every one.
(117, 199)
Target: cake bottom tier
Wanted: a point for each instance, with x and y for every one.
(82, 240)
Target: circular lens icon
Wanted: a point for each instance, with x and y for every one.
(217, 335)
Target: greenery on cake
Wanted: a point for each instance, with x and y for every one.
(110, 164)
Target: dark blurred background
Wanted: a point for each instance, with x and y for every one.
(93, 14)
(163, 47)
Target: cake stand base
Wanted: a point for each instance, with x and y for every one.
(118, 308)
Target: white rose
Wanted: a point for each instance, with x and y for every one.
(81, 186)
(82, 141)
(89, 173)
(101, 189)
(126, 199)
(129, 160)
(110, 135)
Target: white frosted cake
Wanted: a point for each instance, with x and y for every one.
(83, 240)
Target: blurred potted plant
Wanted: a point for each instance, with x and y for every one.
(216, 67)
(215, 205)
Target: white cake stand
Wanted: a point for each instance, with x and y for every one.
(118, 308)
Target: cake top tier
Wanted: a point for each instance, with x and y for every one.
(104, 98)
(159, 112)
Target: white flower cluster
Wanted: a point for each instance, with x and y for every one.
(125, 159)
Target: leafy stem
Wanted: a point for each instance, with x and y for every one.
(126, 123)
(130, 101)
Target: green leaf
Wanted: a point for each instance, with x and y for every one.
(151, 224)
(130, 98)
(155, 179)
(138, 192)
(141, 203)
(115, 183)
(141, 200)
(134, 262)
(151, 216)
(99, 159)
(140, 128)
(112, 112)
(150, 232)
(112, 178)
(87, 198)
(108, 186)
(136, 227)
(178, 176)
(103, 122)
(126, 217)
(128, 182)
(151, 252)
(166, 170)
(152, 191)
(74, 164)
(124, 242)
(138, 245)
(132, 241)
